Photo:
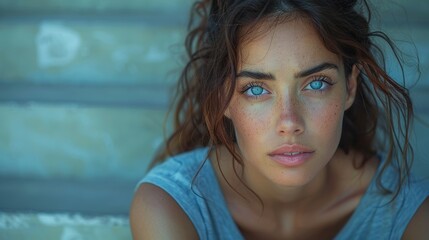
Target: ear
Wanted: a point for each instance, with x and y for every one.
(352, 86)
(227, 113)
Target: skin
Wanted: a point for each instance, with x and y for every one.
(310, 201)
(154, 214)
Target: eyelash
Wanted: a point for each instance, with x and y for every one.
(323, 79)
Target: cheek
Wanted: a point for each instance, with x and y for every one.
(327, 119)
(250, 121)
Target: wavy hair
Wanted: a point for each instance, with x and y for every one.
(380, 117)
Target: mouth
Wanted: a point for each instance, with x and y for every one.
(291, 155)
(291, 149)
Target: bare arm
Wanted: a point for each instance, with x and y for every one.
(418, 228)
(154, 214)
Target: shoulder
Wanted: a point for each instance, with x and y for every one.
(383, 215)
(154, 214)
(177, 172)
(414, 214)
(417, 228)
(165, 205)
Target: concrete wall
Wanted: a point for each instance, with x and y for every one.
(84, 86)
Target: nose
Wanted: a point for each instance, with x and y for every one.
(290, 120)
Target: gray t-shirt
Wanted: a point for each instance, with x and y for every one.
(191, 181)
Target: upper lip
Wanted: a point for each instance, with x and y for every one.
(291, 148)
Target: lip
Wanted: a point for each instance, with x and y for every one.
(291, 155)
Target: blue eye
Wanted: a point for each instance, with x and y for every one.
(318, 84)
(254, 90)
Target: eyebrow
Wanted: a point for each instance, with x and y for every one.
(316, 69)
(257, 75)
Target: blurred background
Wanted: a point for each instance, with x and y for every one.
(84, 88)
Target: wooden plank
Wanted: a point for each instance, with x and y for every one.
(401, 12)
(94, 5)
(128, 96)
(89, 197)
(40, 225)
(67, 141)
(97, 52)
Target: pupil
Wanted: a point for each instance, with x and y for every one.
(256, 90)
(316, 84)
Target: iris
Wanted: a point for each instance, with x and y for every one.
(256, 90)
(316, 85)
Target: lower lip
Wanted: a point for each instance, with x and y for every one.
(291, 161)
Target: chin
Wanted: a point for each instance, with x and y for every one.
(292, 179)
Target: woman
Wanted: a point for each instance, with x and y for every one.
(286, 128)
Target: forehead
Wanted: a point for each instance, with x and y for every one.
(294, 43)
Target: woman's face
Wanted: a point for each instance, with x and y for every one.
(289, 103)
